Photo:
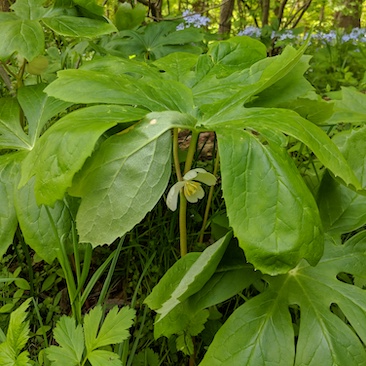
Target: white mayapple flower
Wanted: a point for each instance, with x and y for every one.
(191, 188)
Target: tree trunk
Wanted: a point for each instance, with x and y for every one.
(154, 8)
(265, 12)
(279, 10)
(349, 17)
(226, 13)
(4, 5)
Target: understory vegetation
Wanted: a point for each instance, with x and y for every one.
(171, 194)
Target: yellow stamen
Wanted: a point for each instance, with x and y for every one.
(191, 188)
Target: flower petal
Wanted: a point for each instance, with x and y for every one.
(197, 195)
(191, 174)
(206, 178)
(172, 197)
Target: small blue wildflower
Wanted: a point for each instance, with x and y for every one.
(195, 20)
(287, 35)
(251, 32)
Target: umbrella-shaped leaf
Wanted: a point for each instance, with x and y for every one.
(78, 26)
(35, 222)
(65, 146)
(246, 84)
(29, 9)
(351, 108)
(125, 177)
(271, 210)
(290, 123)
(86, 86)
(12, 135)
(38, 108)
(9, 176)
(343, 210)
(260, 331)
(25, 37)
(196, 276)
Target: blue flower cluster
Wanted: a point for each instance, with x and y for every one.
(251, 31)
(356, 36)
(330, 37)
(193, 19)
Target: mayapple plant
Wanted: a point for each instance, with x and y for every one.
(240, 94)
(107, 162)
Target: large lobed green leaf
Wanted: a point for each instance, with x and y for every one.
(65, 146)
(287, 89)
(178, 66)
(153, 41)
(29, 9)
(128, 17)
(91, 6)
(125, 177)
(25, 37)
(38, 108)
(84, 86)
(290, 123)
(260, 332)
(163, 291)
(35, 222)
(196, 276)
(78, 26)
(271, 210)
(343, 210)
(9, 171)
(228, 57)
(240, 87)
(195, 283)
(351, 108)
(12, 135)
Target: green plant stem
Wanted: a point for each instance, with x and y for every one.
(183, 224)
(176, 154)
(20, 74)
(191, 151)
(209, 199)
(183, 205)
(183, 201)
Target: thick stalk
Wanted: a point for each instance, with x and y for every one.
(183, 201)
(183, 224)
(176, 154)
(209, 199)
(191, 151)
